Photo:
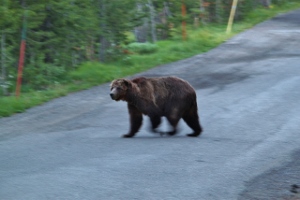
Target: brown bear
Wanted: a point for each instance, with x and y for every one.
(170, 97)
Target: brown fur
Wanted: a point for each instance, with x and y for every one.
(171, 97)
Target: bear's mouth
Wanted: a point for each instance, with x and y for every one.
(114, 97)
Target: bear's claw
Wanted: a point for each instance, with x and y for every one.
(193, 134)
(128, 136)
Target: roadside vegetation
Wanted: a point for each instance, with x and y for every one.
(47, 77)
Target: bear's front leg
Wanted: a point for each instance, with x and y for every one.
(136, 119)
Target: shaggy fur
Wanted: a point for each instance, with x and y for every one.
(171, 97)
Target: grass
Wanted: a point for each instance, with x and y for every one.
(90, 74)
(10, 105)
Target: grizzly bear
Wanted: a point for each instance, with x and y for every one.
(170, 97)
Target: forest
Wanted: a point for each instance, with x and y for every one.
(60, 36)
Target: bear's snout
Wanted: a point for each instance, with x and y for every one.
(112, 96)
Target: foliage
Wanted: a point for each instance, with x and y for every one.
(142, 48)
(43, 76)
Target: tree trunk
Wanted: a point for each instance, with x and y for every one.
(165, 21)
(167, 11)
(103, 41)
(218, 10)
(266, 3)
(3, 67)
(202, 11)
(152, 19)
(141, 32)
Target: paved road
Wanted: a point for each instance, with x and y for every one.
(248, 97)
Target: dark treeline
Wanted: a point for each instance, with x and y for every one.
(61, 34)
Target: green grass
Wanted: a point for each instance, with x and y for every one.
(90, 74)
(10, 105)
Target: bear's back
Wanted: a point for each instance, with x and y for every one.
(163, 87)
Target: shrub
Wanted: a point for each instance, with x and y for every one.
(42, 76)
(142, 48)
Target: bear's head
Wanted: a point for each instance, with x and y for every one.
(118, 89)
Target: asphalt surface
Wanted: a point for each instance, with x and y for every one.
(248, 99)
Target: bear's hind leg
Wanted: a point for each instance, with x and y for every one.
(192, 120)
(173, 120)
(155, 122)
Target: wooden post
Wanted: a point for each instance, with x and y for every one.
(22, 53)
(183, 11)
(231, 17)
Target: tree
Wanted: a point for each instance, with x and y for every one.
(57, 39)
(8, 26)
(141, 29)
(266, 3)
(116, 18)
(3, 67)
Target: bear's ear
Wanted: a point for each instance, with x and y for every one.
(127, 83)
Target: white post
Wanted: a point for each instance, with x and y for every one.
(231, 17)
